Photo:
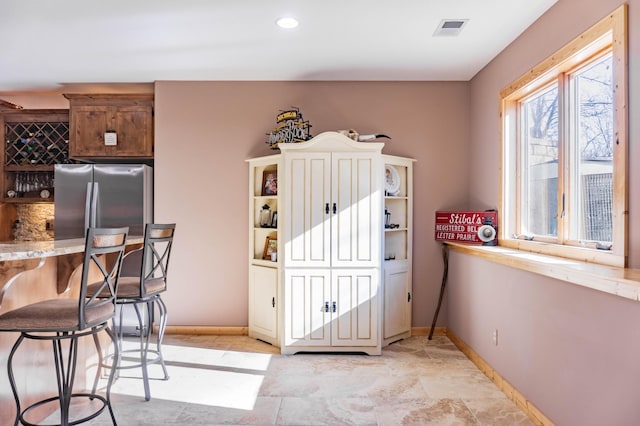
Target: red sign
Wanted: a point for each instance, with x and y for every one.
(463, 227)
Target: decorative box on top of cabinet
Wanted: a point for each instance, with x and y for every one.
(34, 141)
(127, 118)
(324, 291)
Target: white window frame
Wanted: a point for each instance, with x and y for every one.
(609, 33)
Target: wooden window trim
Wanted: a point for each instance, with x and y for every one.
(585, 46)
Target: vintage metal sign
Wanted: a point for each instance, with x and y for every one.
(464, 226)
(290, 128)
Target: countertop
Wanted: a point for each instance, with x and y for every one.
(623, 282)
(20, 250)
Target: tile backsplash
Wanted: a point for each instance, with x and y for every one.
(36, 222)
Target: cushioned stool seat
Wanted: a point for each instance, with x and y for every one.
(53, 315)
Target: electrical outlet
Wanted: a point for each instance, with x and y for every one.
(495, 337)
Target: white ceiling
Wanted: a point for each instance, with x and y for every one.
(46, 43)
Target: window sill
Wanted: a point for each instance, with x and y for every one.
(622, 282)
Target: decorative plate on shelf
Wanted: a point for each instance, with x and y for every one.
(392, 180)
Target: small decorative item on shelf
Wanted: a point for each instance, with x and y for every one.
(392, 181)
(274, 220)
(265, 216)
(290, 128)
(270, 247)
(387, 218)
(488, 231)
(270, 182)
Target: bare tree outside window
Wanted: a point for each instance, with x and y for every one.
(540, 115)
(593, 171)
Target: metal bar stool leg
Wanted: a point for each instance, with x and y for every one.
(65, 376)
(144, 347)
(162, 309)
(112, 373)
(12, 380)
(96, 341)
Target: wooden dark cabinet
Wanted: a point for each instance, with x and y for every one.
(129, 116)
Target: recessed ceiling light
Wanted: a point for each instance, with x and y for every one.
(287, 23)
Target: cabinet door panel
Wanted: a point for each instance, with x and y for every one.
(356, 228)
(88, 125)
(307, 321)
(397, 306)
(355, 321)
(135, 131)
(263, 301)
(295, 206)
(307, 228)
(318, 229)
(343, 233)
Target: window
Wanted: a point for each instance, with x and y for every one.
(564, 150)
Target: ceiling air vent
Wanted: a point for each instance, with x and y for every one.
(450, 27)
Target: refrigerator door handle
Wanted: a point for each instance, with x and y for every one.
(94, 204)
(87, 206)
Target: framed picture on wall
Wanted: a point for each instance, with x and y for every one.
(270, 182)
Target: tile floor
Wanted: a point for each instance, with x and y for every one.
(236, 380)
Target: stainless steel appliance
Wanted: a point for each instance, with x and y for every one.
(105, 195)
(102, 195)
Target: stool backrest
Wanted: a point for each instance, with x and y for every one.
(158, 241)
(103, 254)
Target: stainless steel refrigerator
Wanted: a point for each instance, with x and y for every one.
(106, 196)
(102, 195)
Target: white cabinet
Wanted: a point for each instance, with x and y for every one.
(398, 244)
(263, 297)
(336, 309)
(332, 245)
(397, 303)
(330, 287)
(263, 272)
(333, 208)
(307, 230)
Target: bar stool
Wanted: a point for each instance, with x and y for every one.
(66, 320)
(145, 290)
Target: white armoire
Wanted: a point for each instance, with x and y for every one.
(324, 288)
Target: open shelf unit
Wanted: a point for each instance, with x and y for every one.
(263, 272)
(398, 257)
(35, 140)
(259, 199)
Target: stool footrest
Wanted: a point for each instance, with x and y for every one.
(56, 398)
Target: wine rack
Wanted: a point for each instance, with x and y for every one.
(34, 141)
(30, 144)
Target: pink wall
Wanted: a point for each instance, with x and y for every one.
(206, 130)
(572, 351)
